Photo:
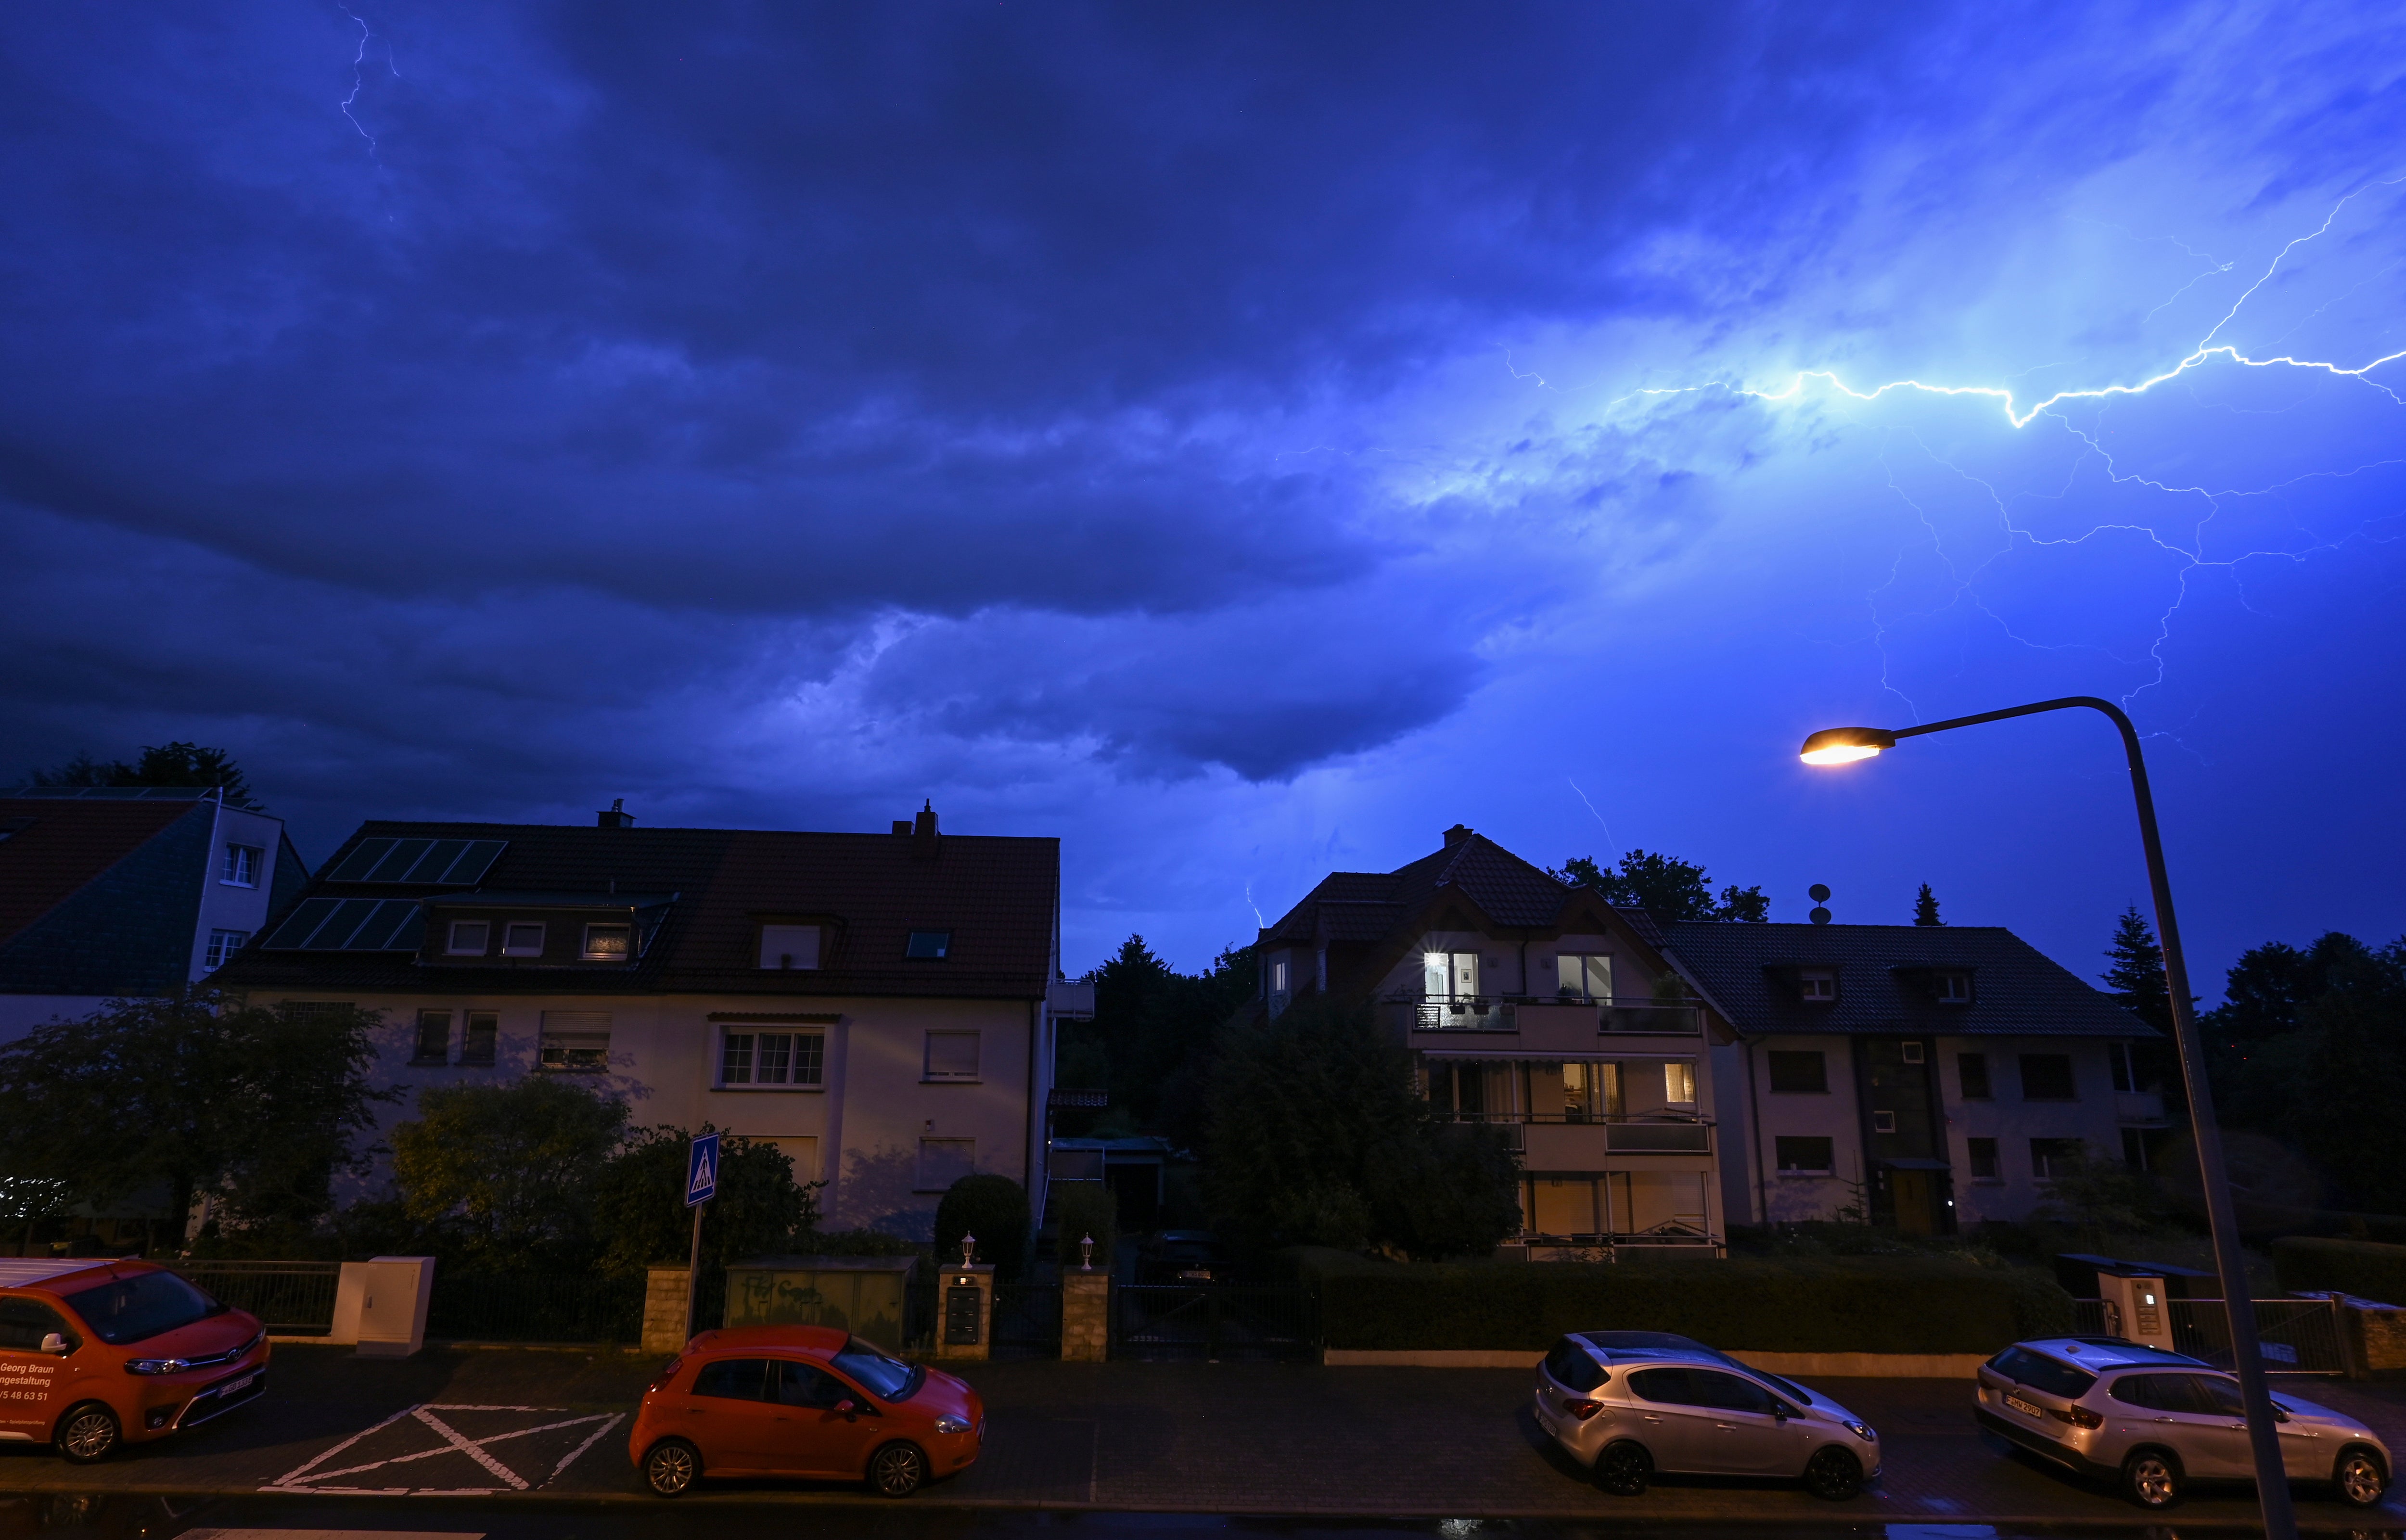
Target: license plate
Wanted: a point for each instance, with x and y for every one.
(2017, 1404)
(1548, 1423)
(233, 1385)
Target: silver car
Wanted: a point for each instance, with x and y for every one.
(1628, 1403)
(2154, 1420)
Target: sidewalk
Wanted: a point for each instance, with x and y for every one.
(532, 1424)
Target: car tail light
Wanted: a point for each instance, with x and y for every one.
(667, 1372)
(1584, 1409)
(2079, 1416)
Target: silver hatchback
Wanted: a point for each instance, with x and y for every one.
(1629, 1403)
(2154, 1420)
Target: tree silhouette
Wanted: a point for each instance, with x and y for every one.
(1925, 908)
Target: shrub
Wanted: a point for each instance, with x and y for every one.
(994, 1208)
(1084, 1208)
(2366, 1268)
(1883, 1304)
(511, 1167)
(642, 1219)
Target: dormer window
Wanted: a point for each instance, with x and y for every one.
(608, 944)
(470, 939)
(522, 939)
(789, 947)
(1817, 985)
(1953, 988)
(929, 945)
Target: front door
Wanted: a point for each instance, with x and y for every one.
(731, 1419)
(1912, 1191)
(1747, 1437)
(33, 1383)
(815, 1437)
(1673, 1421)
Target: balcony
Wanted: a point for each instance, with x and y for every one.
(1505, 1012)
(1568, 1142)
(1458, 1013)
(2140, 1110)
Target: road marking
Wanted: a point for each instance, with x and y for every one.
(331, 1534)
(310, 1478)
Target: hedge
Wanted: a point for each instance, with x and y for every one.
(2367, 1268)
(1871, 1304)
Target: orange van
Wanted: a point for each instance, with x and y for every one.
(94, 1353)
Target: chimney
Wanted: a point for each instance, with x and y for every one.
(922, 834)
(617, 817)
(1456, 835)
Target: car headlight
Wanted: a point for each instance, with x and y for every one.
(156, 1366)
(951, 1424)
(1862, 1433)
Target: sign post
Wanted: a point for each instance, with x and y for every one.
(701, 1186)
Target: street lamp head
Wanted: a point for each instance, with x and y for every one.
(1845, 745)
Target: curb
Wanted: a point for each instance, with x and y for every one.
(1800, 1365)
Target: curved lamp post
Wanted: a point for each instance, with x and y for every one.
(1846, 745)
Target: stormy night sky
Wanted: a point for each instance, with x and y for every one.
(1242, 441)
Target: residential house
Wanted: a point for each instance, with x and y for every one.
(1538, 1007)
(119, 891)
(1927, 1077)
(878, 1005)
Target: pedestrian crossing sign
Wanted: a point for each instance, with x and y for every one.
(702, 1170)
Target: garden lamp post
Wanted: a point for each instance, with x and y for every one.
(1845, 745)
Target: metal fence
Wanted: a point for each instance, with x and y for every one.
(289, 1299)
(1026, 1321)
(2298, 1335)
(1215, 1321)
(536, 1308)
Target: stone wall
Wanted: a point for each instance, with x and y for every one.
(1085, 1317)
(666, 1309)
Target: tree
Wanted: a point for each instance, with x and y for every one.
(994, 1210)
(1665, 887)
(1152, 1042)
(177, 763)
(2137, 976)
(512, 1169)
(258, 1105)
(1925, 908)
(2101, 1196)
(2347, 1107)
(641, 1219)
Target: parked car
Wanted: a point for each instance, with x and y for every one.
(806, 1401)
(1629, 1403)
(2154, 1421)
(1182, 1256)
(100, 1352)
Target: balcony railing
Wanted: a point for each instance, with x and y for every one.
(1500, 1013)
(2139, 1108)
(1644, 1134)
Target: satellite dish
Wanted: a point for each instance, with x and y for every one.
(1818, 893)
(1819, 916)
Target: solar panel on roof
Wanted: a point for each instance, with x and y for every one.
(348, 916)
(412, 934)
(360, 861)
(298, 925)
(376, 934)
(476, 860)
(393, 867)
(430, 865)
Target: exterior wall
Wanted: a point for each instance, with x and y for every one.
(227, 906)
(1835, 1114)
(866, 1119)
(2013, 1122)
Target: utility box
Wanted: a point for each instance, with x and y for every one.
(967, 1328)
(380, 1304)
(2136, 1308)
(868, 1296)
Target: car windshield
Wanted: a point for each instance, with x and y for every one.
(883, 1376)
(136, 1309)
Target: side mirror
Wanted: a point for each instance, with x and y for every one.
(54, 1343)
(847, 1409)
(1782, 1411)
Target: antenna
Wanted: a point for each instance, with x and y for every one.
(1819, 893)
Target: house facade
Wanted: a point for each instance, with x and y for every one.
(1927, 1077)
(878, 1005)
(117, 891)
(1539, 1008)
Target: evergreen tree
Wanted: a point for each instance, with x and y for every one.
(175, 764)
(2137, 976)
(1925, 908)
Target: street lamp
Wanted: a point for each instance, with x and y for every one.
(1847, 745)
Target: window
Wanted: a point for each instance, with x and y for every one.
(1583, 976)
(929, 945)
(2053, 1158)
(23, 1324)
(1679, 1082)
(1973, 1068)
(783, 946)
(575, 1040)
(470, 939)
(223, 944)
(800, 1385)
(522, 939)
(1954, 988)
(1883, 1122)
(1799, 1072)
(609, 943)
(734, 1380)
(241, 868)
(1910, 1051)
(1457, 1090)
(1449, 973)
(1804, 1156)
(944, 1161)
(433, 1037)
(1590, 1091)
(476, 1046)
(1817, 984)
(1278, 977)
(951, 1056)
(2117, 1065)
(1983, 1160)
(751, 1056)
(2047, 1077)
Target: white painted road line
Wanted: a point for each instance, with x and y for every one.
(331, 1534)
(312, 1477)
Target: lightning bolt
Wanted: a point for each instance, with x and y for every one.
(359, 81)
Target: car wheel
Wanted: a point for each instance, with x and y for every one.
(2360, 1477)
(87, 1434)
(2152, 1479)
(1624, 1469)
(671, 1467)
(898, 1470)
(1833, 1474)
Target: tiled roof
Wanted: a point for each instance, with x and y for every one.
(57, 846)
(1367, 906)
(998, 896)
(2016, 989)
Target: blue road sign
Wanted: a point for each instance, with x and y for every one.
(702, 1170)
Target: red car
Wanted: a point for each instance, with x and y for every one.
(807, 1401)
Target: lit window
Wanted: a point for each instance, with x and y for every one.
(223, 944)
(789, 946)
(241, 868)
(468, 938)
(1679, 1082)
(933, 945)
(1817, 983)
(951, 1056)
(1583, 977)
(433, 1037)
(1955, 989)
(1278, 977)
(522, 939)
(747, 1057)
(1448, 974)
(608, 944)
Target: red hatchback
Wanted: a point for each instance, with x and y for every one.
(806, 1401)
